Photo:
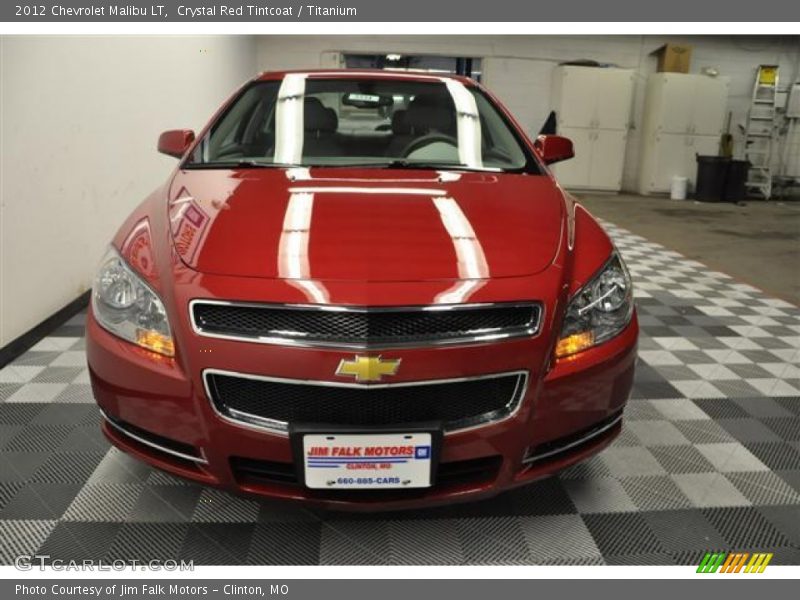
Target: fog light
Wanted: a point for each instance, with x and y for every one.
(572, 344)
(152, 340)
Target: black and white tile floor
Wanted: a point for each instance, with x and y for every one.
(709, 459)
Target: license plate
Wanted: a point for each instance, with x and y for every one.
(367, 461)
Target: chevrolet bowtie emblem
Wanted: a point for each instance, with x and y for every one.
(368, 368)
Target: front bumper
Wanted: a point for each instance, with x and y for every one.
(158, 412)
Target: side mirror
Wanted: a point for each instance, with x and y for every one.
(553, 148)
(175, 142)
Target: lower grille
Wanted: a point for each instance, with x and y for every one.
(456, 403)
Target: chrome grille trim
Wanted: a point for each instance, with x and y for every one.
(124, 430)
(281, 427)
(303, 340)
(582, 440)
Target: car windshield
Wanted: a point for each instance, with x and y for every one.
(367, 122)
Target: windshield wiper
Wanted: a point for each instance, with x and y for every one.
(239, 164)
(399, 163)
(402, 163)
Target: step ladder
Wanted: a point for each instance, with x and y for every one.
(759, 133)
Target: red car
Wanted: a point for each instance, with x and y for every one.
(362, 289)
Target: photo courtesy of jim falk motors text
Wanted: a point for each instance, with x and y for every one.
(126, 590)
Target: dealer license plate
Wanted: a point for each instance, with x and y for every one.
(367, 461)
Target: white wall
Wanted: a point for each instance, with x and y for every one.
(79, 119)
(518, 68)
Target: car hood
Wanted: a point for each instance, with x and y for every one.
(364, 224)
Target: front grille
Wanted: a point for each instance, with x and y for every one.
(274, 403)
(359, 327)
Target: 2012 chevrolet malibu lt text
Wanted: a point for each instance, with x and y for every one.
(362, 289)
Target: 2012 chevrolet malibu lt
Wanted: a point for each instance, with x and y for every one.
(362, 289)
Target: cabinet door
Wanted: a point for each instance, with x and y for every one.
(608, 156)
(574, 172)
(669, 153)
(677, 94)
(613, 98)
(577, 97)
(710, 106)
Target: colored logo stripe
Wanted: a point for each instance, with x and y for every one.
(733, 562)
(758, 563)
(711, 562)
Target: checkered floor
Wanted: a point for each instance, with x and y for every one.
(709, 459)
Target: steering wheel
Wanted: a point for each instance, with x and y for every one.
(428, 139)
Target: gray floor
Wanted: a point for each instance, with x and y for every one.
(708, 460)
(758, 243)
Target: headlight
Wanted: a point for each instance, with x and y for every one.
(599, 310)
(127, 307)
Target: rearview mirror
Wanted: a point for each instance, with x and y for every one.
(364, 100)
(175, 142)
(553, 148)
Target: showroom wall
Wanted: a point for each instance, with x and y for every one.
(518, 68)
(80, 119)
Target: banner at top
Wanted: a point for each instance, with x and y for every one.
(188, 11)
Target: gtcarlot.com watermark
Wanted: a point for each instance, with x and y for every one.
(41, 562)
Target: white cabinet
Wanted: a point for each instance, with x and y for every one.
(577, 168)
(590, 166)
(683, 117)
(593, 107)
(676, 154)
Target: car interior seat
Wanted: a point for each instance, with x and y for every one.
(320, 125)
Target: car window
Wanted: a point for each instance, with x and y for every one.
(363, 122)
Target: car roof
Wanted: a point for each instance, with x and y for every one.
(365, 74)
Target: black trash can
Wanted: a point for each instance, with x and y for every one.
(712, 172)
(736, 181)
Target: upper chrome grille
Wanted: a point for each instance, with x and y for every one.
(364, 327)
